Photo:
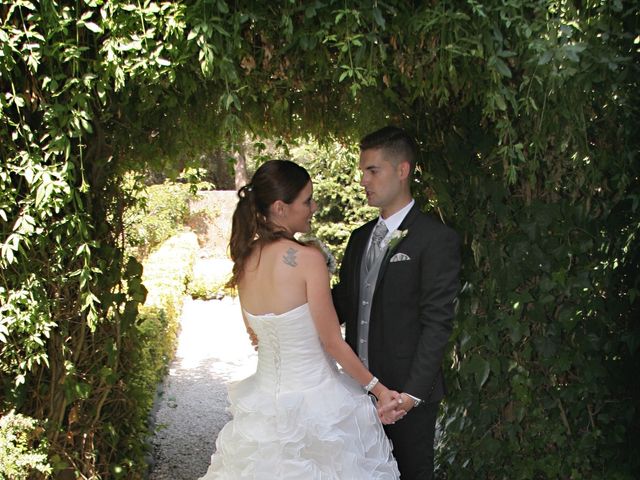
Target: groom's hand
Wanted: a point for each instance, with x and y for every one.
(390, 407)
(253, 338)
(407, 402)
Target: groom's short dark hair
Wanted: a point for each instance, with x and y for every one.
(395, 141)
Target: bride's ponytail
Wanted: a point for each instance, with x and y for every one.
(244, 228)
(274, 180)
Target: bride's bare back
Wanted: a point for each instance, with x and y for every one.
(283, 276)
(273, 278)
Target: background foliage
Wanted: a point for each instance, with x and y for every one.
(160, 211)
(526, 112)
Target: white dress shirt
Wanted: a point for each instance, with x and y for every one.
(393, 221)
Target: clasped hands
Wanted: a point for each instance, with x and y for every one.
(392, 406)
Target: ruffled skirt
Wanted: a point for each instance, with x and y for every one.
(331, 431)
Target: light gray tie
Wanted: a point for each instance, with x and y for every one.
(374, 250)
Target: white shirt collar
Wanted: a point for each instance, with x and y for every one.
(393, 222)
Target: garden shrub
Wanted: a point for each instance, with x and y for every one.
(209, 279)
(149, 349)
(200, 218)
(23, 450)
(167, 272)
(160, 212)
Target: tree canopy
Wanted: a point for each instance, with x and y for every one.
(526, 113)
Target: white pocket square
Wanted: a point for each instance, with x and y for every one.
(400, 257)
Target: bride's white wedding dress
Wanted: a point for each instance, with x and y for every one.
(299, 417)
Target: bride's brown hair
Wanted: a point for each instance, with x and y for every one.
(274, 180)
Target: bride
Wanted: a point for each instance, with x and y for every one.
(298, 416)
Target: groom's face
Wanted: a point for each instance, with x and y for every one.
(381, 178)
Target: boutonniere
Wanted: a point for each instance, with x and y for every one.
(332, 265)
(395, 239)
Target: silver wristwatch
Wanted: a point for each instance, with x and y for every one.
(416, 400)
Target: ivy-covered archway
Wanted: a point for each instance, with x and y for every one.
(526, 113)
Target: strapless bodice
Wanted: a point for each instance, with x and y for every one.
(290, 354)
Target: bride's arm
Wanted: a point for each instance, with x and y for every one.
(328, 327)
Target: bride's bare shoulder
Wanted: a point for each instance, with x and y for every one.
(294, 253)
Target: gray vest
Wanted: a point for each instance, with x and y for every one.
(367, 286)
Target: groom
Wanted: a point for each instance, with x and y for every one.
(398, 282)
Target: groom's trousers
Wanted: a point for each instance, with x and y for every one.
(412, 438)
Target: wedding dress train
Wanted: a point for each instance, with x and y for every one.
(299, 417)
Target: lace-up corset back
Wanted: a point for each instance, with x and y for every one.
(290, 355)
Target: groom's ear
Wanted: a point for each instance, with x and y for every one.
(404, 169)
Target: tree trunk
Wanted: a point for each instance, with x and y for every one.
(240, 167)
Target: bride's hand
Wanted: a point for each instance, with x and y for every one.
(390, 407)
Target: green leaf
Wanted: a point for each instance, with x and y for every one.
(28, 175)
(377, 16)
(222, 6)
(7, 253)
(502, 67)
(545, 57)
(220, 29)
(93, 27)
(481, 369)
(573, 51)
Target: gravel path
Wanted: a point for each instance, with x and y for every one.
(213, 350)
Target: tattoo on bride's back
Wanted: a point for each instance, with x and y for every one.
(290, 257)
